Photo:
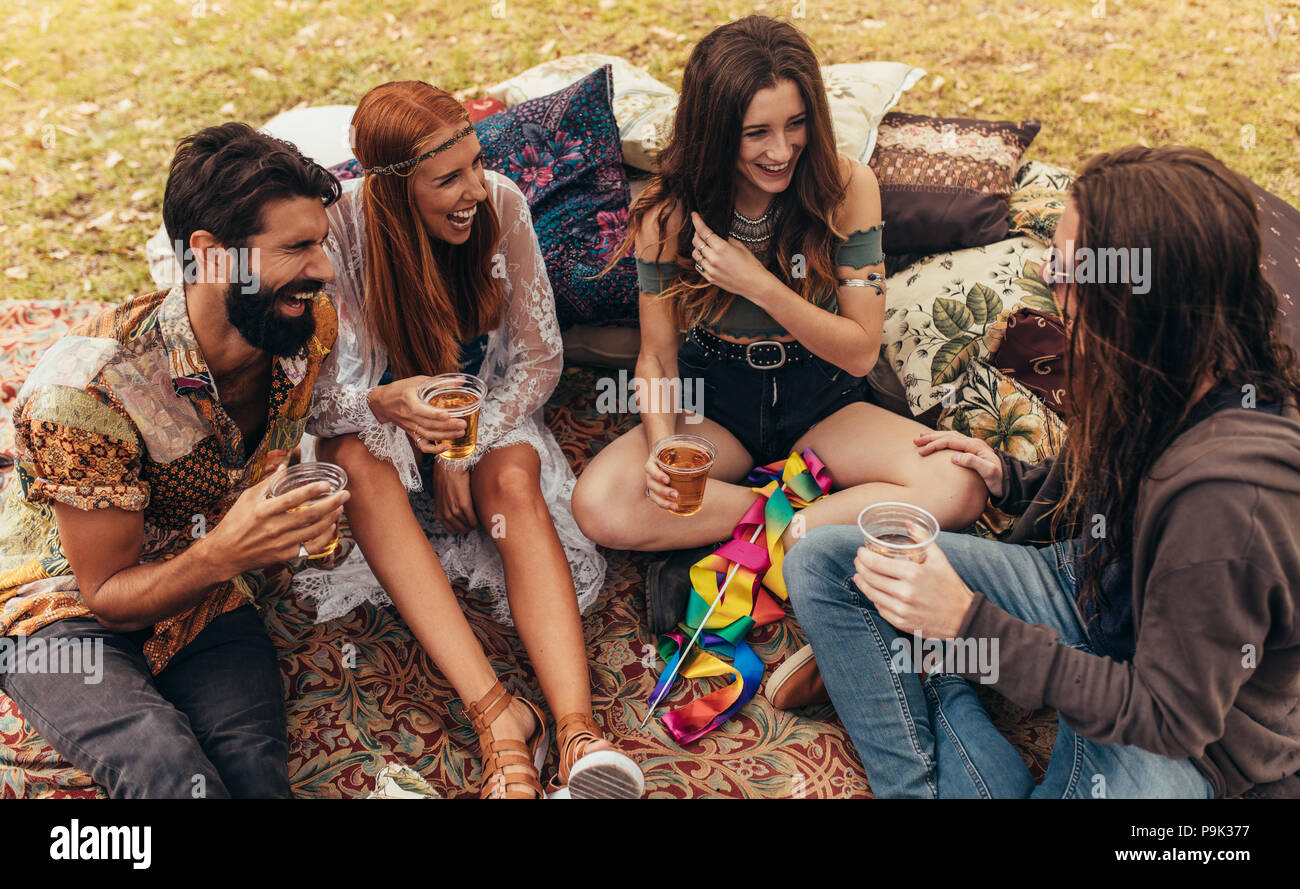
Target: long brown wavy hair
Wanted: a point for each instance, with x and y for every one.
(1208, 310)
(697, 167)
(423, 296)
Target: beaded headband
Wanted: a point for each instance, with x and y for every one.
(406, 168)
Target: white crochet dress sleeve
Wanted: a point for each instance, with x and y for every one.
(521, 366)
(356, 362)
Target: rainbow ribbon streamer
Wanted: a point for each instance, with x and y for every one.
(782, 487)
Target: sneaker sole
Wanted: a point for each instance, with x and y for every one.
(606, 774)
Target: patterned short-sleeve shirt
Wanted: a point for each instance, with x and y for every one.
(123, 412)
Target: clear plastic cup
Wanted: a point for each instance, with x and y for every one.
(898, 530)
(309, 474)
(461, 395)
(686, 460)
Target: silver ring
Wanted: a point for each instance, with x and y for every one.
(418, 440)
(302, 551)
(698, 269)
(647, 492)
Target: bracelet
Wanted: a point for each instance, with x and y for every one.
(875, 279)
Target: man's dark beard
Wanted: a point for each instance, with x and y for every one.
(264, 326)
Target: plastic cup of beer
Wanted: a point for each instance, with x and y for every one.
(898, 530)
(686, 460)
(461, 395)
(304, 474)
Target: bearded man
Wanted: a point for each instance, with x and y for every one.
(139, 520)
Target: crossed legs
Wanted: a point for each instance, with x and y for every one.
(868, 450)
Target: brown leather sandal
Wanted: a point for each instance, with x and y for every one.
(601, 774)
(511, 769)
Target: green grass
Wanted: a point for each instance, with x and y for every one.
(84, 83)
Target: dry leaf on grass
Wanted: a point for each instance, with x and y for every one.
(101, 222)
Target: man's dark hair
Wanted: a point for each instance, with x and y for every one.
(221, 178)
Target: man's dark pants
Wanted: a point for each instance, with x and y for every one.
(211, 724)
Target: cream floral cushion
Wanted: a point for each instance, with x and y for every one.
(993, 407)
(643, 107)
(859, 95)
(1036, 204)
(938, 312)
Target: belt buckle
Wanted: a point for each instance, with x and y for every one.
(750, 361)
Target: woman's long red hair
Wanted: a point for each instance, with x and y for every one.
(424, 297)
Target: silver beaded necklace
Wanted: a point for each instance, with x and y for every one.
(755, 232)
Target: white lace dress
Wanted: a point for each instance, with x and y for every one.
(521, 365)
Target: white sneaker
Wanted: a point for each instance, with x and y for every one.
(605, 774)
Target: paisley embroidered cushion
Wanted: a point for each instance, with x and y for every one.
(944, 182)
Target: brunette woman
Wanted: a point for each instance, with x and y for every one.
(438, 269)
(763, 244)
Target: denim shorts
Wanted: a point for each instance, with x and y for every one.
(768, 410)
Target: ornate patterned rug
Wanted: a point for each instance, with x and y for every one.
(370, 716)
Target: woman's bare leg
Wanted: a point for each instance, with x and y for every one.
(610, 505)
(507, 492)
(871, 457)
(405, 563)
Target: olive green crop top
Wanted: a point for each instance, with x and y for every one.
(744, 319)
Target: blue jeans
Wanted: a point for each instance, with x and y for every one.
(934, 739)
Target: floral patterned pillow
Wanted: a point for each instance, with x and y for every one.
(993, 407)
(563, 152)
(643, 106)
(859, 94)
(939, 310)
(1036, 205)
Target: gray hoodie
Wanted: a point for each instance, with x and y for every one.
(1216, 609)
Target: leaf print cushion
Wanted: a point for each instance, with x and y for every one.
(1036, 205)
(939, 312)
(992, 406)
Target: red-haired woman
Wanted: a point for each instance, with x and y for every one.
(438, 269)
(763, 244)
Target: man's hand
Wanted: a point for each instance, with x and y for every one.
(258, 531)
(103, 548)
(928, 599)
(971, 453)
(399, 402)
(452, 503)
